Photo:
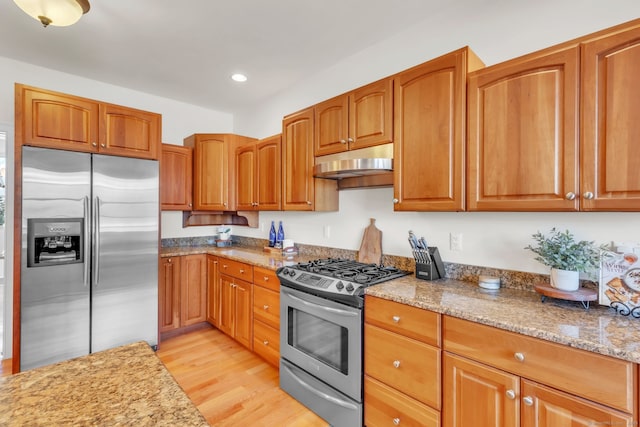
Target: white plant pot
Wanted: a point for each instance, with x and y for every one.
(565, 280)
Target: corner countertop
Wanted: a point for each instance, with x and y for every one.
(599, 329)
(123, 386)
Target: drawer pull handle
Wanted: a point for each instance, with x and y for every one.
(241, 271)
(511, 394)
(266, 307)
(265, 278)
(528, 400)
(519, 357)
(396, 363)
(396, 319)
(224, 265)
(396, 421)
(265, 342)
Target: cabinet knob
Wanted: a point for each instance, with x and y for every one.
(94, 144)
(570, 196)
(395, 201)
(343, 141)
(190, 205)
(350, 139)
(396, 319)
(588, 195)
(224, 265)
(265, 342)
(103, 145)
(309, 202)
(266, 307)
(519, 357)
(528, 400)
(265, 278)
(396, 421)
(396, 363)
(511, 394)
(241, 271)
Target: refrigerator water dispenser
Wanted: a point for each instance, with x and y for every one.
(54, 241)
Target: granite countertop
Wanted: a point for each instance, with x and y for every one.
(598, 329)
(123, 386)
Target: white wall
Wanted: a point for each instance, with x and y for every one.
(496, 31)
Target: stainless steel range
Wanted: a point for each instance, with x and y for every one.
(321, 305)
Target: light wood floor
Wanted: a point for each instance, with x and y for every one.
(230, 385)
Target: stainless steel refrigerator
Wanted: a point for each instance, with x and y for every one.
(89, 273)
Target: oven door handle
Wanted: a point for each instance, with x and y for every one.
(322, 307)
(325, 396)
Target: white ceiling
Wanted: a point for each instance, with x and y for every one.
(186, 50)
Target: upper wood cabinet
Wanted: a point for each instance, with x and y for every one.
(300, 190)
(429, 133)
(358, 119)
(259, 175)
(176, 175)
(56, 120)
(610, 129)
(523, 134)
(214, 177)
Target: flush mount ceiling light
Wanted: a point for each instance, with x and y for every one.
(239, 77)
(59, 13)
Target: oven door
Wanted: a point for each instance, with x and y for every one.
(324, 338)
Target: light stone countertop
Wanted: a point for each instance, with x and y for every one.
(124, 386)
(598, 329)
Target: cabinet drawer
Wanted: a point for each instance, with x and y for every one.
(384, 406)
(236, 269)
(409, 321)
(596, 377)
(405, 364)
(266, 278)
(266, 306)
(266, 342)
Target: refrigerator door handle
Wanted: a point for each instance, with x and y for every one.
(96, 241)
(87, 241)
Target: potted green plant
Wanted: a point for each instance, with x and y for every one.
(566, 257)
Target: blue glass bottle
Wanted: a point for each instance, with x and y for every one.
(272, 235)
(280, 236)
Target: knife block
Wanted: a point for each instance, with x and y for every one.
(433, 270)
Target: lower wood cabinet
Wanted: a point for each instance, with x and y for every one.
(213, 290)
(501, 379)
(401, 365)
(236, 296)
(182, 291)
(266, 315)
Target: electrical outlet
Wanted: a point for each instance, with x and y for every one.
(327, 231)
(455, 242)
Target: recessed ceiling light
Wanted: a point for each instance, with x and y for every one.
(239, 77)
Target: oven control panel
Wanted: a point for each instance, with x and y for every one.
(301, 279)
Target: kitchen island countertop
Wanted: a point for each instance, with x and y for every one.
(124, 386)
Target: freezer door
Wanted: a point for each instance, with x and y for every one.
(54, 297)
(125, 252)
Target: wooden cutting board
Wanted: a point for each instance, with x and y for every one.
(371, 247)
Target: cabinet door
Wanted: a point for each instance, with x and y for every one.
(269, 173)
(129, 132)
(213, 291)
(429, 116)
(211, 173)
(331, 126)
(193, 295)
(297, 160)
(176, 170)
(54, 120)
(610, 164)
(371, 115)
(545, 407)
(477, 395)
(243, 331)
(227, 308)
(246, 177)
(523, 140)
(169, 294)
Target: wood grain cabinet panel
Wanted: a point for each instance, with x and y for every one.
(300, 190)
(610, 129)
(129, 132)
(213, 291)
(358, 119)
(169, 294)
(193, 292)
(259, 175)
(236, 300)
(429, 133)
(523, 135)
(176, 175)
(266, 342)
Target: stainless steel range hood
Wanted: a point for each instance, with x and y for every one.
(366, 167)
